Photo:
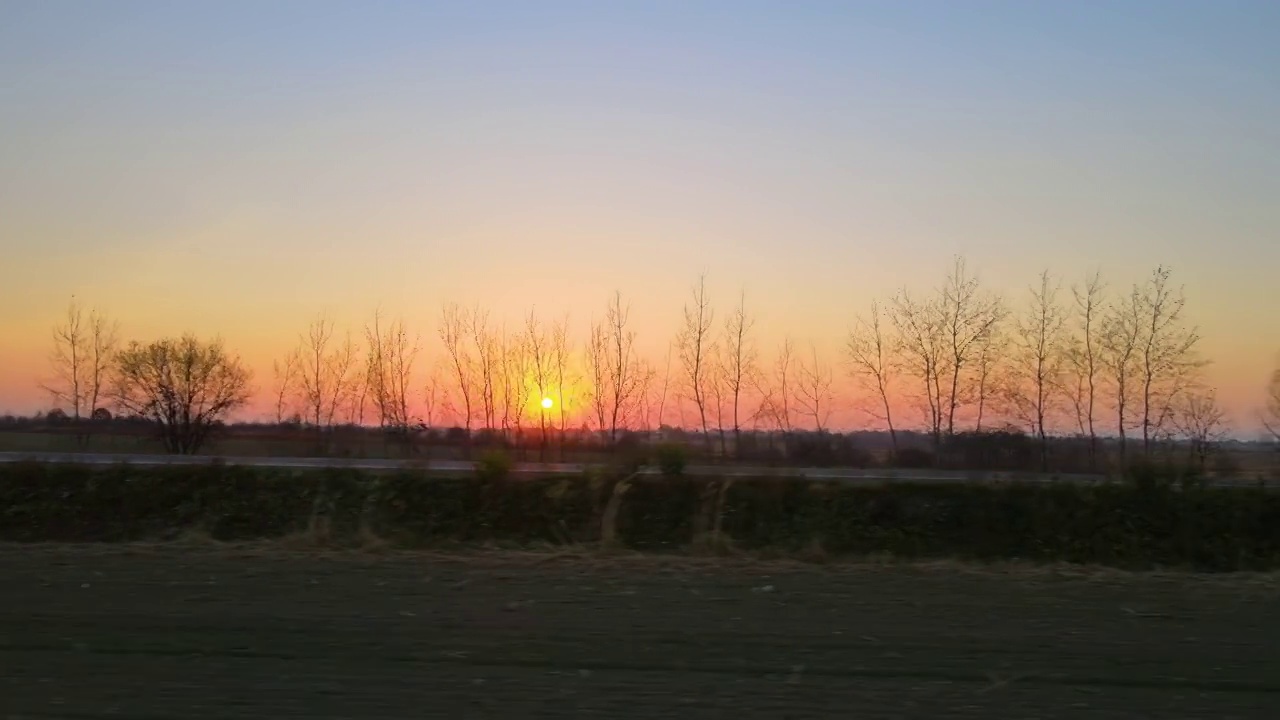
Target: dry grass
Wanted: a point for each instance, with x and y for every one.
(613, 558)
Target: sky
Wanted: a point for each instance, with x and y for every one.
(235, 167)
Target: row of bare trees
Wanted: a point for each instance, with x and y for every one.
(1074, 358)
(1084, 361)
(184, 386)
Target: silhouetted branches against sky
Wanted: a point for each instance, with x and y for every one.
(1055, 358)
(1271, 415)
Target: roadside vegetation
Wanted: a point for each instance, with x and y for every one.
(1150, 521)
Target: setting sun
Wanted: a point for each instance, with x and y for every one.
(546, 403)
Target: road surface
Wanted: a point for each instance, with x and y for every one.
(99, 632)
(458, 466)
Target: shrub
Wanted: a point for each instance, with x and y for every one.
(672, 459)
(494, 465)
(1134, 525)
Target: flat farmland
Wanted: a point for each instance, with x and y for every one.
(215, 632)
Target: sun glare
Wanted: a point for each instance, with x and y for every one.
(546, 403)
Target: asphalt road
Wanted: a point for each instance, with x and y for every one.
(455, 466)
(98, 632)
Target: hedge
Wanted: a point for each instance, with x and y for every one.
(1118, 525)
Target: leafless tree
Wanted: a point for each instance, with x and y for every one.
(1200, 421)
(666, 384)
(1038, 359)
(1118, 355)
(506, 377)
(646, 375)
(718, 394)
(922, 345)
(185, 386)
(541, 355)
(870, 354)
(285, 375)
(83, 350)
(1167, 354)
(814, 394)
(325, 372)
(1271, 414)
(514, 369)
(356, 395)
(391, 355)
(697, 347)
(739, 364)
(598, 367)
(562, 357)
(434, 395)
(968, 316)
(988, 364)
(624, 366)
(777, 388)
(1084, 354)
(488, 360)
(454, 325)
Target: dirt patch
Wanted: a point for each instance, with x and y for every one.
(207, 630)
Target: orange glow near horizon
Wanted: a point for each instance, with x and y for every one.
(1239, 370)
(543, 156)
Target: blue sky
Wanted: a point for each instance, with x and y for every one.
(819, 153)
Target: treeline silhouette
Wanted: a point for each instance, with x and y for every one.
(950, 376)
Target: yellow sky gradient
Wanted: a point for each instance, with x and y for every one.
(185, 168)
(260, 308)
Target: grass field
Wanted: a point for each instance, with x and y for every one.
(221, 632)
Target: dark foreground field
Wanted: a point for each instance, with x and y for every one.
(215, 633)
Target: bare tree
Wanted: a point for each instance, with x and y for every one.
(349, 385)
(562, 356)
(870, 355)
(542, 361)
(355, 397)
(325, 379)
(990, 351)
(1038, 359)
(103, 340)
(598, 367)
(83, 350)
(1200, 421)
(1271, 414)
(510, 364)
(739, 364)
(666, 384)
(718, 394)
(1167, 352)
(814, 395)
(624, 367)
(434, 395)
(777, 389)
(185, 386)
(645, 374)
(285, 375)
(1118, 346)
(454, 324)
(488, 359)
(697, 347)
(391, 355)
(1085, 356)
(921, 334)
(968, 316)
(515, 366)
